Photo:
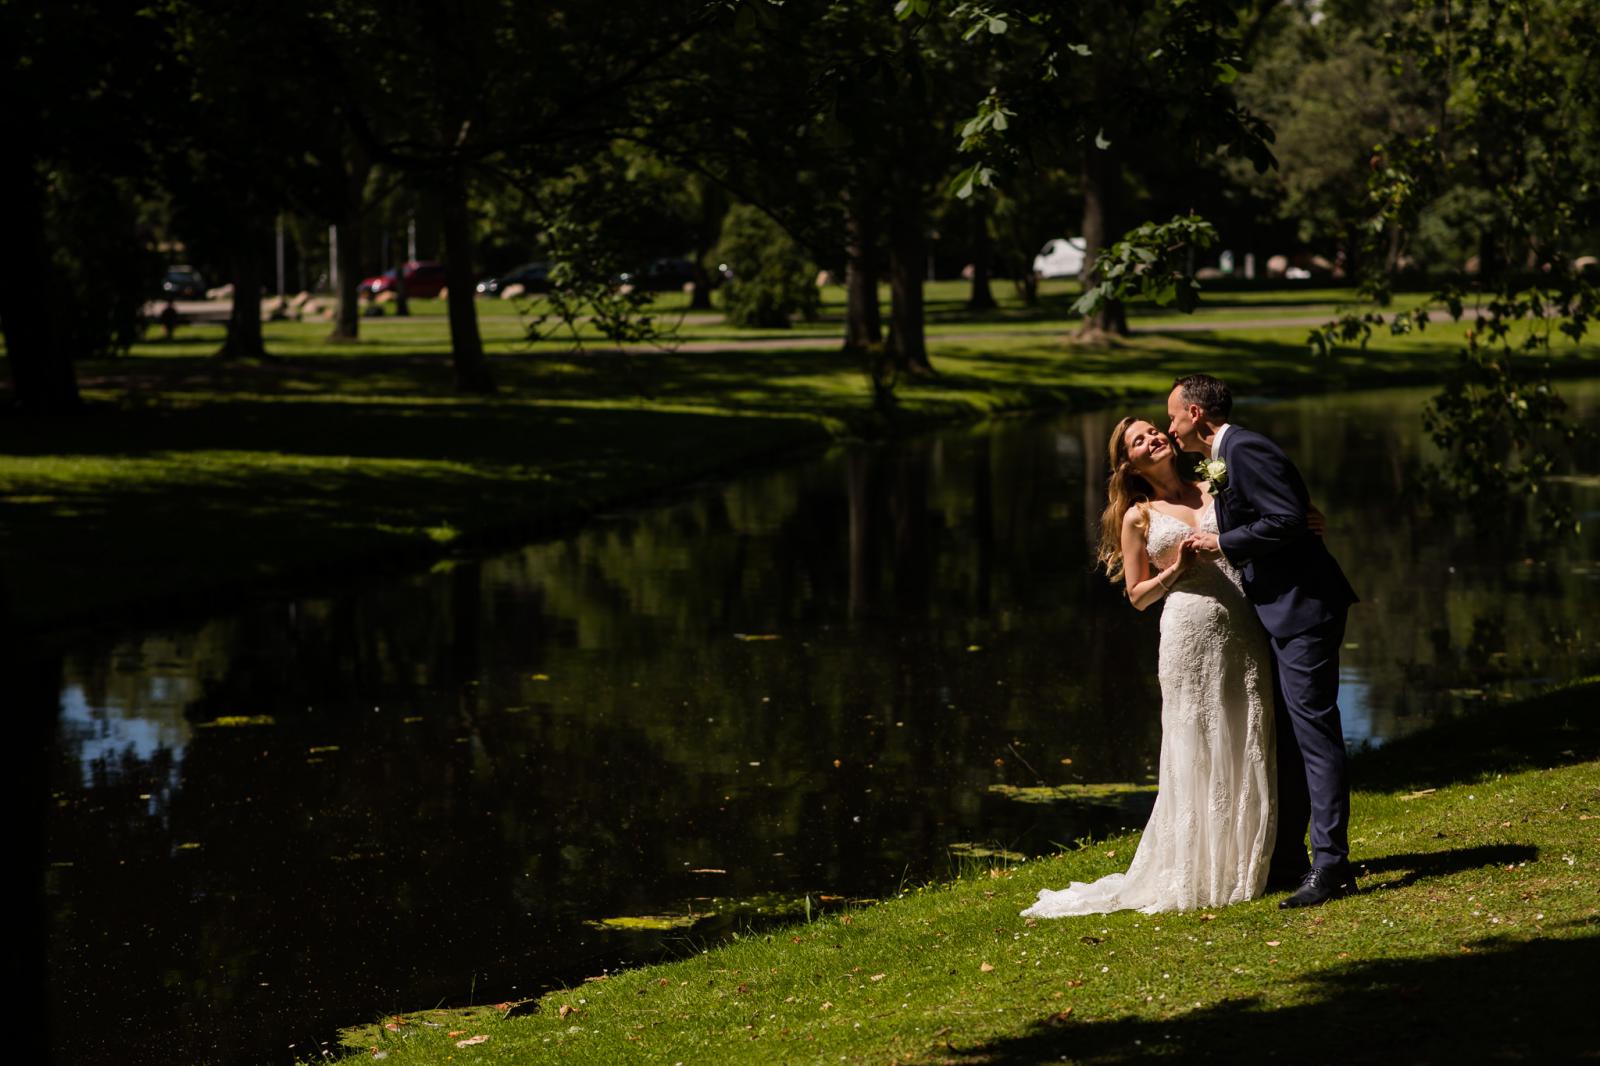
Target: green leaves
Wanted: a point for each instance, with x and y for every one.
(1150, 261)
(970, 180)
(993, 117)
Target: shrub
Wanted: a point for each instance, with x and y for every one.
(772, 280)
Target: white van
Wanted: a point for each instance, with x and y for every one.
(1061, 257)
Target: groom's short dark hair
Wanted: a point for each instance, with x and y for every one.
(1209, 393)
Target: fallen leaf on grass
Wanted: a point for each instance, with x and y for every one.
(471, 1040)
(1208, 917)
(985, 968)
(1273, 943)
(877, 977)
(826, 1006)
(1061, 1016)
(566, 1009)
(455, 1033)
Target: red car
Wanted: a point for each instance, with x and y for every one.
(424, 280)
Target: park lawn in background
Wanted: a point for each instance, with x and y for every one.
(1474, 939)
(194, 479)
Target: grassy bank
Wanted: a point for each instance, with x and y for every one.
(1473, 940)
(189, 480)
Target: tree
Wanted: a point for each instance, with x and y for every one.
(1514, 89)
(1321, 79)
(496, 90)
(235, 151)
(842, 130)
(77, 131)
(1101, 87)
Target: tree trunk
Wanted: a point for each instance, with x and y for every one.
(466, 346)
(1028, 288)
(244, 339)
(700, 289)
(353, 169)
(1101, 179)
(347, 326)
(863, 323)
(41, 374)
(402, 295)
(908, 346)
(982, 299)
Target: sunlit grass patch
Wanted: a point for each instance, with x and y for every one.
(1473, 939)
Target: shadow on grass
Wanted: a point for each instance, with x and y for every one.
(1498, 1001)
(1558, 728)
(1414, 866)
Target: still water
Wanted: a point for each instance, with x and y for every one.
(829, 680)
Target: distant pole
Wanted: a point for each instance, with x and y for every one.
(333, 257)
(411, 240)
(280, 258)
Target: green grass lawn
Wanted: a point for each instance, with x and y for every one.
(1474, 940)
(190, 480)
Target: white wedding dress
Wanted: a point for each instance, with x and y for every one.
(1210, 836)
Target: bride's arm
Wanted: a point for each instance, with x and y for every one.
(1146, 586)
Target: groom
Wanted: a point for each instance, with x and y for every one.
(1302, 598)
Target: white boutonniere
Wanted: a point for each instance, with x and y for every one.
(1214, 471)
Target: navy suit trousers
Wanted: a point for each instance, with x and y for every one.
(1312, 782)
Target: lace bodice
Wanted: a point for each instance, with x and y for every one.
(1214, 577)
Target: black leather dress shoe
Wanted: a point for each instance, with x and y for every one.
(1284, 882)
(1321, 885)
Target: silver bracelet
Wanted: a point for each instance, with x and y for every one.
(1163, 584)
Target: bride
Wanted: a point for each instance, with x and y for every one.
(1210, 836)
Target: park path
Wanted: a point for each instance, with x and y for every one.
(1290, 317)
(1056, 329)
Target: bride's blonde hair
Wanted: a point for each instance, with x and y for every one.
(1126, 488)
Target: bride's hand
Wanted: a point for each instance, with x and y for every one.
(1188, 552)
(1316, 521)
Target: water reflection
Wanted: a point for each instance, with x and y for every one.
(805, 681)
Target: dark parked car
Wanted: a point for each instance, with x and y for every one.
(661, 275)
(533, 277)
(183, 283)
(423, 280)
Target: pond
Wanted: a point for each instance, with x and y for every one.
(811, 685)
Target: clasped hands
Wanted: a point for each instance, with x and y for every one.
(1205, 544)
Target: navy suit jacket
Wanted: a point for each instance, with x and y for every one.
(1289, 574)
